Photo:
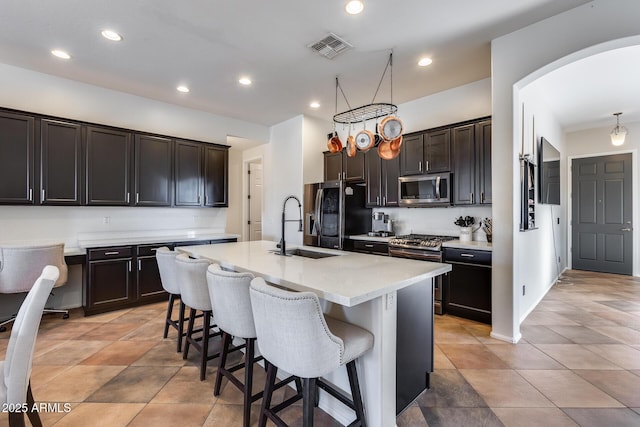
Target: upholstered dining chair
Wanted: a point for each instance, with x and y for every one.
(20, 266)
(15, 370)
(294, 335)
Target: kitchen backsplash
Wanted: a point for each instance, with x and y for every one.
(435, 220)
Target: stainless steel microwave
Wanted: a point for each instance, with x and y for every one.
(425, 190)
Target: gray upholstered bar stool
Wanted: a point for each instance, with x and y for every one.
(192, 279)
(229, 292)
(295, 336)
(166, 259)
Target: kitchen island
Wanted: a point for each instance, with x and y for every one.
(361, 289)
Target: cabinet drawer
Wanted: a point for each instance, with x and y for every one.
(110, 253)
(468, 256)
(150, 250)
(370, 247)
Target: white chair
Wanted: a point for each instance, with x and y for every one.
(166, 259)
(192, 279)
(295, 336)
(15, 370)
(20, 266)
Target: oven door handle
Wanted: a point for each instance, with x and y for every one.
(435, 256)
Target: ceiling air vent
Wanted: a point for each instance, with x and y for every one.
(330, 46)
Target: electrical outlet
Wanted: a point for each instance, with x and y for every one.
(558, 221)
(523, 290)
(559, 260)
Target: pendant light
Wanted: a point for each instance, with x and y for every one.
(619, 132)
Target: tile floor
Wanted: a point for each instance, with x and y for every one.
(577, 364)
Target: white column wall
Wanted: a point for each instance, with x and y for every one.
(517, 59)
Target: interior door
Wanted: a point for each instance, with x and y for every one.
(601, 214)
(255, 201)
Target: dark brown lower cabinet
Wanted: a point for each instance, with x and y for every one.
(467, 288)
(126, 276)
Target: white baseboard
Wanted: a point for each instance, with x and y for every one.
(512, 340)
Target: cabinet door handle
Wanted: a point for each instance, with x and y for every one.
(198, 199)
(368, 246)
(339, 175)
(626, 229)
(139, 265)
(344, 175)
(427, 166)
(420, 165)
(205, 199)
(471, 194)
(127, 197)
(42, 195)
(384, 200)
(30, 194)
(378, 200)
(112, 253)
(129, 262)
(482, 197)
(137, 198)
(468, 255)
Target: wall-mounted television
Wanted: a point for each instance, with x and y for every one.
(548, 173)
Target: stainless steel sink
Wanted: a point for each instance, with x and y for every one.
(306, 253)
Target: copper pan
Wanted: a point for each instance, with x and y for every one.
(365, 140)
(390, 128)
(386, 152)
(351, 146)
(334, 144)
(396, 143)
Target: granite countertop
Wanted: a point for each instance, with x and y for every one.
(368, 238)
(348, 279)
(475, 244)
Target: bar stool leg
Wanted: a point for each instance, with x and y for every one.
(248, 380)
(181, 325)
(226, 340)
(206, 328)
(167, 321)
(192, 316)
(268, 392)
(308, 401)
(355, 392)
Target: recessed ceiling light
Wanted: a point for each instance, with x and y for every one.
(354, 7)
(424, 62)
(245, 81)
(111, 35)
(182, 89)
(60, 54)
(314, 104)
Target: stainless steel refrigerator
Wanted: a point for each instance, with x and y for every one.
(333, 210)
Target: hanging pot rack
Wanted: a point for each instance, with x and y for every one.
(373, 110)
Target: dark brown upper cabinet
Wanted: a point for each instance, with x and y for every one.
(108, 167)
(152, 172)
(188, 173)
(340, 166)
(382, 180)
(60, 163)
(426, 152)
(472, 163)
(16, 159)
(215, 177)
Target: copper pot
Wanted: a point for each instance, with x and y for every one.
(365, 140)
(396, 143)
(386, 152)
(334, 144)
(351, 146)
(390, 128)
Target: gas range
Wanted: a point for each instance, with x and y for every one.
(424, 242)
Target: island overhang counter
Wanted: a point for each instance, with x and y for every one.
(365, 290)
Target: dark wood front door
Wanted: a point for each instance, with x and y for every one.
(601, 214)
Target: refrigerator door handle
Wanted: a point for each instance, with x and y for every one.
(317, 225)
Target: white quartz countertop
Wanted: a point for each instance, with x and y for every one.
(477, 245)
(347, 279)
(370, 238)
(95, 240)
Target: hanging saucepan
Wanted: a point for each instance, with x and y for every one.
(351, 144)
(396, 143)
(365, 140)
(390, 128)
(387, 152)
(334, 144)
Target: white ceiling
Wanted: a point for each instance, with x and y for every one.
(209, 44)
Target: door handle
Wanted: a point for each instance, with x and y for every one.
(626, 229)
